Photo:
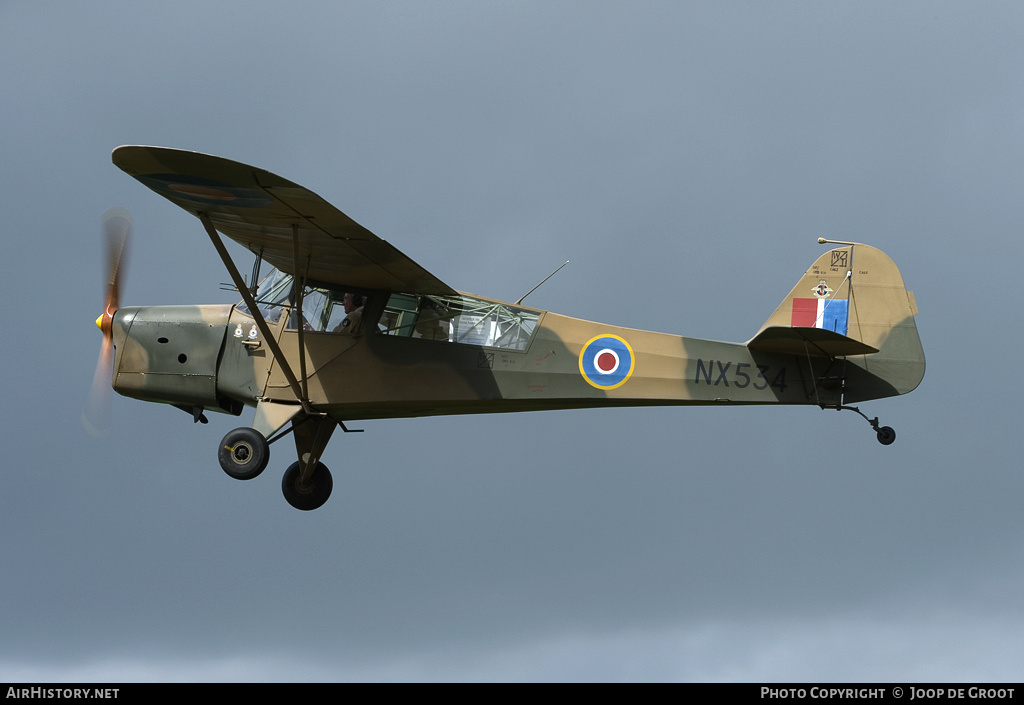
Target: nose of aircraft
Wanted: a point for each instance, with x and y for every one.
(169, 354)
(117, 226)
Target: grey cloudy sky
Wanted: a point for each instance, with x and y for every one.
(685, 157)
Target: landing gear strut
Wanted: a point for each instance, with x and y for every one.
(885, 434)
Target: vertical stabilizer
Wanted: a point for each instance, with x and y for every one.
(856, 291)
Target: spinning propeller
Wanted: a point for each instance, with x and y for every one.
(117, 225)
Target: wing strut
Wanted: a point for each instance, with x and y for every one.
(257, 315)
(300, 286)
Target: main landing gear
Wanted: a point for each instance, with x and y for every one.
(310, 494)
(244, 453)
(885, 434)
(307, 483)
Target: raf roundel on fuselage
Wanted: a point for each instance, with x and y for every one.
(606, 361)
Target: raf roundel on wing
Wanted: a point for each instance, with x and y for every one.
(606, 361)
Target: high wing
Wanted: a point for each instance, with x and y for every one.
(293, 228)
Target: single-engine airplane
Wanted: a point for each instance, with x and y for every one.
(347, 328)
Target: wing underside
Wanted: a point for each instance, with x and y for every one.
(274, 217)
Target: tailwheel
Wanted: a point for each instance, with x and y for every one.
(307, 495)
(886, 435)
(244, 453)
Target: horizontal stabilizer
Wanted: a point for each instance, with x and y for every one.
(799, 340)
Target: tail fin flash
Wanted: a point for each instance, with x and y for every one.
(852, 303)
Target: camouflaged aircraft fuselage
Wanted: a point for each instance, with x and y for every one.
(347, 328)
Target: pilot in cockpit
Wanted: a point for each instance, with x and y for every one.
(353, 322)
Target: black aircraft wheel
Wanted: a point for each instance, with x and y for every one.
(886, 435)
(244, 453)
(311, 495)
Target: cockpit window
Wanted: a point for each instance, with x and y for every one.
(273, 294)
(459, 319)
(454, 319)
(322, 309)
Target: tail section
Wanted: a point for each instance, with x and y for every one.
(852, 304)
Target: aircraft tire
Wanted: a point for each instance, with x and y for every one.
(244, 453)
(886, 435)
(314, 494)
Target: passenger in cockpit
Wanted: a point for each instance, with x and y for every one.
(432, 322)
